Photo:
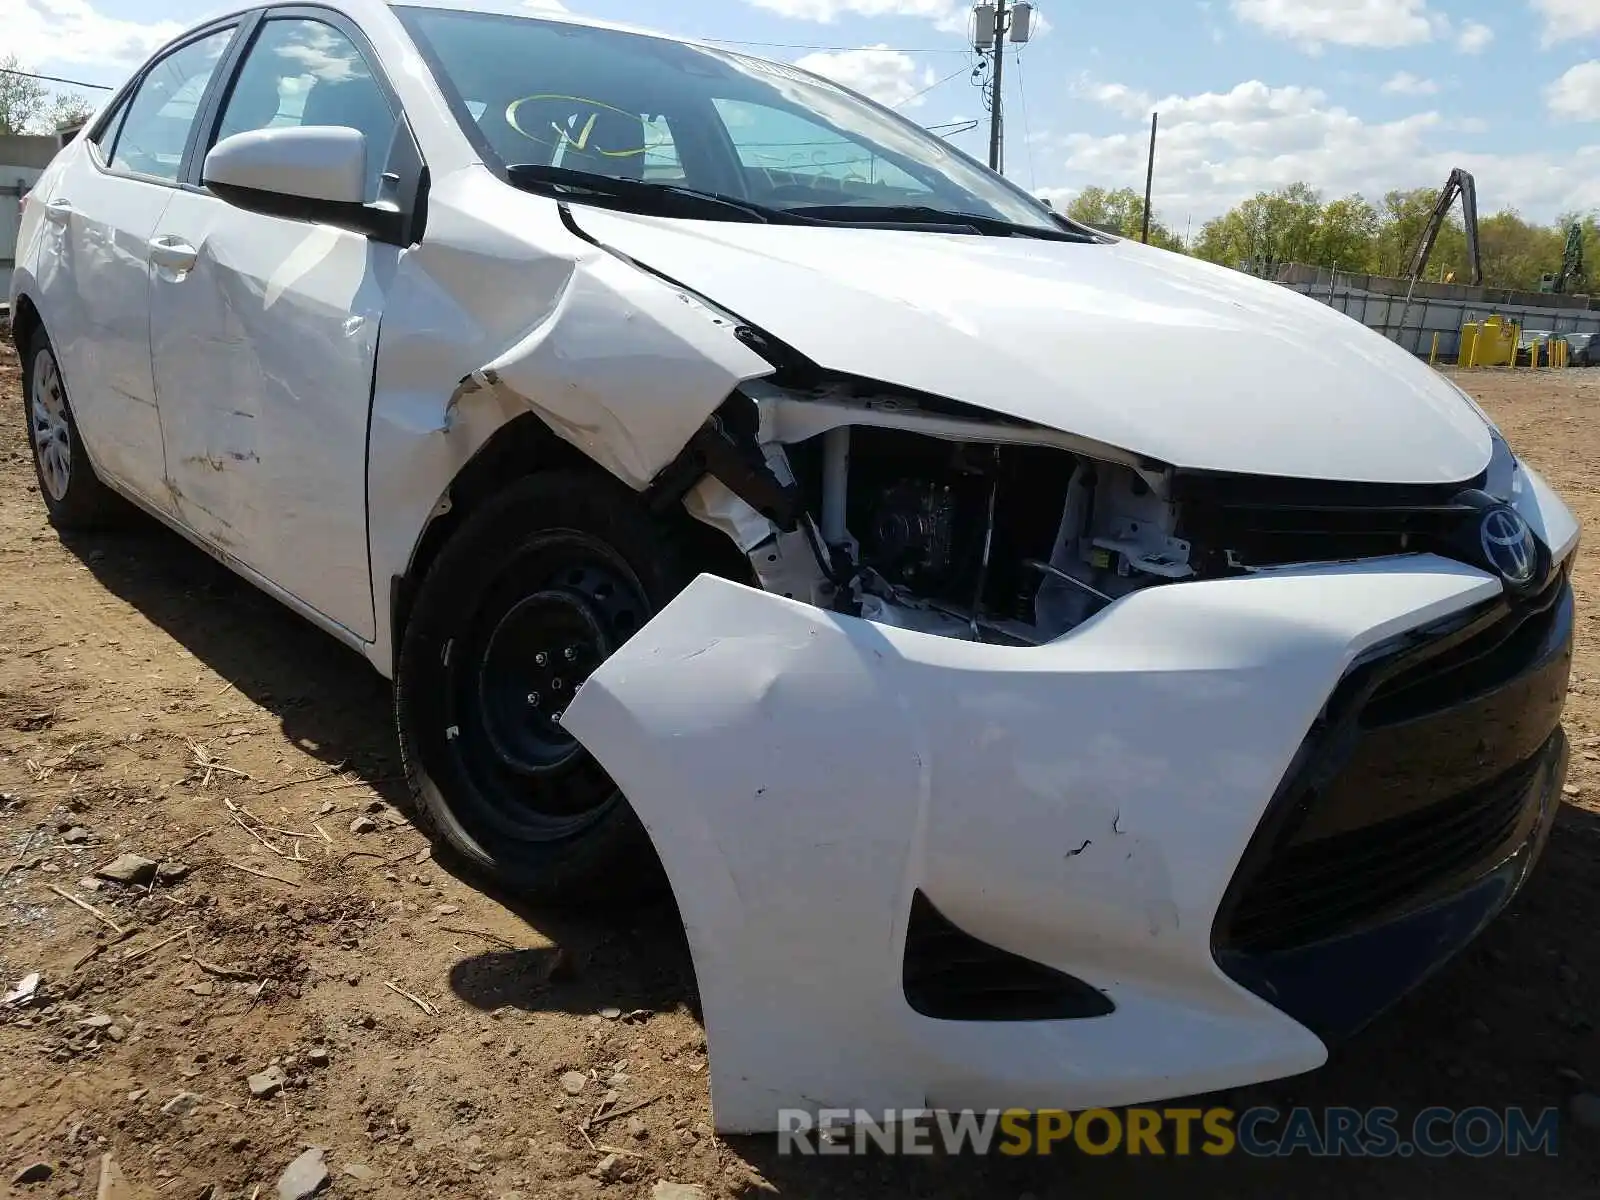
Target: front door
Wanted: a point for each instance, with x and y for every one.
(264, 333)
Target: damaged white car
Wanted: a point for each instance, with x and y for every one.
(733, 476)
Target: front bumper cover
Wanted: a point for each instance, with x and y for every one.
(812, 782)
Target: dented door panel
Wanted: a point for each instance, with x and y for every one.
(264, 353)
(1081, 804)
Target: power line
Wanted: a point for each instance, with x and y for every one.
(804, 46)
(1027, 137)
(902, 103)
(104, 87)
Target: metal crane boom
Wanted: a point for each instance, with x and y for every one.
(1460, 184)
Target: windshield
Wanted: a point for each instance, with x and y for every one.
(646, 109)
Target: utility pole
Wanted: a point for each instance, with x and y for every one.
(995, 22)
(996, 120)
(1149, 178)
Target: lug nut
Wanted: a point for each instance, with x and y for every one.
(555, 684)
(571, 652)
(556, 717)
(533, 699)
(541, 658)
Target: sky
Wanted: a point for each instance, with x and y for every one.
(1346, 95)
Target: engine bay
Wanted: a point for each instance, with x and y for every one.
(931, 515)
(1003, 542)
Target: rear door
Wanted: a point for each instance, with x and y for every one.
(264, 332)
(94, 269)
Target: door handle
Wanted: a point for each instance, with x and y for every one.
(173, 253)
(58, 211)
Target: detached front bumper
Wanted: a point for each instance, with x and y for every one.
(852, 814)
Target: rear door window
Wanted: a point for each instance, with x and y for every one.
(163, 110)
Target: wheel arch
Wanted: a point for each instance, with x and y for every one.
(525, 445)
(25, 322)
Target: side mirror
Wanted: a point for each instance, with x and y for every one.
(325, 164)
(307, 173)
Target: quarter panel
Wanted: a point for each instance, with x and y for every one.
(95, 271)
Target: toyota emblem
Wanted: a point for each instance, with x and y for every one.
(1508, 545)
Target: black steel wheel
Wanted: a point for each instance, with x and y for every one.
(527, 598)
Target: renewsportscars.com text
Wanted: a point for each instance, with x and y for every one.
(1263, 1132)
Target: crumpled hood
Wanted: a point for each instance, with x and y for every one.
(1166, 356)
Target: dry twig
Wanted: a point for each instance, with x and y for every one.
(262, 874)
(140, 953)
(417, 1000)
(240, 823)
(87, 907)
(21, 854)
(289, 783)
(622, 1112)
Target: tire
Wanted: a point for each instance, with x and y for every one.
(74, 496)
(566, 565)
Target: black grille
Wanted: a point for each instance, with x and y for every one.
(1264, 521)
(1424, 770)
(1322, 888)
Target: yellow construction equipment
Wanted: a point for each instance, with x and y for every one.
(1488, 343)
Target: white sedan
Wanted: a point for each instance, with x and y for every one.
(738, 482)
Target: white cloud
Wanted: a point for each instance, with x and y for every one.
(1371, 23)
(1576, 95)
(1218, 148)
(1404, 83)
(1474, 38)
(948, 16)
(1568, 19)
(888, 76)
(829, 11)
(73, 31)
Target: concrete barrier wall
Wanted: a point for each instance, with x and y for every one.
(22, 160)
(1380, 303)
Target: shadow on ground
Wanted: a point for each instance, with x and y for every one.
(332, 705)
(1512, 1022)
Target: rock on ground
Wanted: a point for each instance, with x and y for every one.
(305, 1176)
(132, 869)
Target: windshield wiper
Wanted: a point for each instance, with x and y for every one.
(664, 199)
(923, 215)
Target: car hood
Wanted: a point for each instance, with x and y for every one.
(1153, 352)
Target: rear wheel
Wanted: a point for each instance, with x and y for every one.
(526, 599)
(73, 494)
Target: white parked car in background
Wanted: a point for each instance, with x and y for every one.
(733, 476)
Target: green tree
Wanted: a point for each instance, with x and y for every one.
(22, 100)
(1121, 210)
(1516, 253)
(1269, 228)
(1403, 217)
(27, 105)
(67, 109)
(1347, 234)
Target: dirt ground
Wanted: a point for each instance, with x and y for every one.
(152, 703)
